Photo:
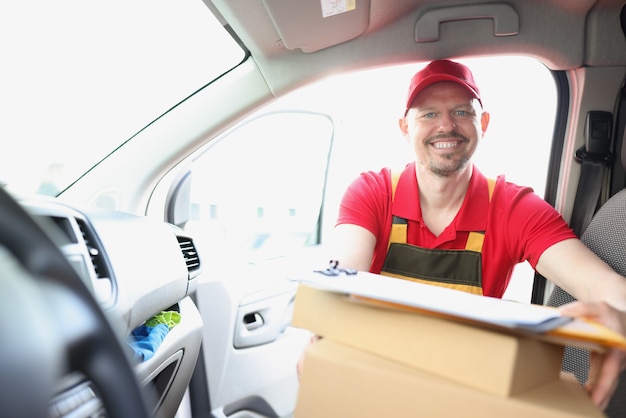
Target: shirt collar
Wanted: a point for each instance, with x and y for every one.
(471, 217)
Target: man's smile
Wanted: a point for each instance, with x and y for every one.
(445, 144)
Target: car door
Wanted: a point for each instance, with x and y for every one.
(256, 197)
(265, 168)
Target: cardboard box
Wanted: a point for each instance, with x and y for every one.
(490, 361)
(340, 381)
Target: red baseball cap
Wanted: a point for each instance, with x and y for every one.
(442, 70)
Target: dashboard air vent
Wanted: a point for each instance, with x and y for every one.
(97, 258)
(189, 252)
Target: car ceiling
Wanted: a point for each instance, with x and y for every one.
(292, 43)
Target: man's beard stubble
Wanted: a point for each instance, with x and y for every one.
(456, 162)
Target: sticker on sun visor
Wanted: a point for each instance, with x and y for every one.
(335, 7)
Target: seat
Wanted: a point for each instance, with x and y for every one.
(605, 236)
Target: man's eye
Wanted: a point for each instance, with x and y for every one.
(430, 115)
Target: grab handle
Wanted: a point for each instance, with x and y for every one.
(505, 19)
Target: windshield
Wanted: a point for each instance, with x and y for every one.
(72, 65)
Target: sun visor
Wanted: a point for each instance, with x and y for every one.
(314, 25)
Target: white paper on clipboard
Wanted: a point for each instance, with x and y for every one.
(462, 305)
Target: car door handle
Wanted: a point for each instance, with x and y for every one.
(253, 321)
(262, 320)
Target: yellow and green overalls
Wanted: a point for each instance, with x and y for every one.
(456, 269)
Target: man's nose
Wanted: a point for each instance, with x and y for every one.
(446, 123)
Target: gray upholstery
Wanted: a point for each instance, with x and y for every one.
(605, 236)
(575, 360)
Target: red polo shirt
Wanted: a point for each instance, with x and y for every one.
(519, 225)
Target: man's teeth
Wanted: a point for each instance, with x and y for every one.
(443, 145)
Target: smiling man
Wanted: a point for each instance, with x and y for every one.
(441, 221)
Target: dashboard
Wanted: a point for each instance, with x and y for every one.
(135, 267)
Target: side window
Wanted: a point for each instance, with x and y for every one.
(257, 191)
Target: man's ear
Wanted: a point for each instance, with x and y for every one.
(484, 122)
(404, 128)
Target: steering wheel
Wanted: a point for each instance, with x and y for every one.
(52, 326)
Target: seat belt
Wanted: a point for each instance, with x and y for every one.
(594, 157)
(618, 177)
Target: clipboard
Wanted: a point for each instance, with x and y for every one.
(537, 321)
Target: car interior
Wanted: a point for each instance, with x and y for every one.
(120, 300)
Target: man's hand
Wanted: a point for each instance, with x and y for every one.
(605, 367)
(300, 363)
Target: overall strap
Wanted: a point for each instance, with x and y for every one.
(398, 225)
(476, 239)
